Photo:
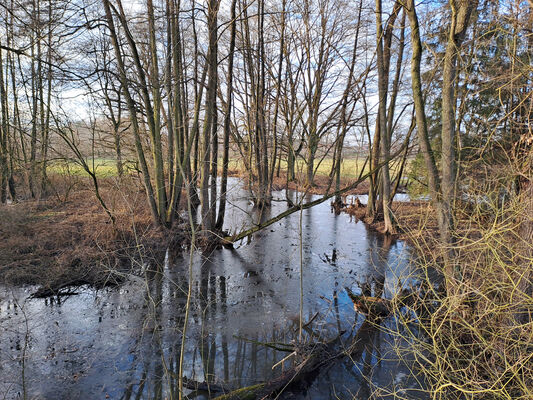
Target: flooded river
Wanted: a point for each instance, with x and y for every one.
(124, 342)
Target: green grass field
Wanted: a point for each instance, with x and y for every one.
(106, 167)
(103, 167)
(350, 168)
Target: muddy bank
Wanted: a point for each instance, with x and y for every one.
(321, 185)
(68, 239)
(415, 219)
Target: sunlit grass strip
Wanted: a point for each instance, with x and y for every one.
(350, 168)
(103, 167)
(107, 167)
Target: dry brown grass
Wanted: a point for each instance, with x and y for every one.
(69, 238)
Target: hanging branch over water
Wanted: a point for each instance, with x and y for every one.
(326, 197)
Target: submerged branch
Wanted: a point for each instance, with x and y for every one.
(311, 358)
(273, 345)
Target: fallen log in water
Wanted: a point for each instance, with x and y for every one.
(205, 386)
(68, 288)
(59, 289)
(311, 358)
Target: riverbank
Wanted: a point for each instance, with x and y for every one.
(68, 239)
(321, 185)
(415, 220)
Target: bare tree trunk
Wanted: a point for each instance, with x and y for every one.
(383, 51)
(171, 15)
(214, 167)
(373, 179)
(208, 222)
(382, 115)
(198, 91)
(263, 195)
(396, 81)
(35, 71)
(12, 145)
(195, 134)
(461, 11)
(227, 120)
(154, 120)
(180, 156)
(277, 100)
(4, 133)
(421, 120)
(45, 114)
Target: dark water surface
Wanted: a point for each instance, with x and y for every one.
(123, 343)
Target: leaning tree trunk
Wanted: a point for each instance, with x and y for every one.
(133, 114)
(155, 117)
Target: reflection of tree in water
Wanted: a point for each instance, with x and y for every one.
(149, 361)
(216, 354)
(154, 372)
(369, 353)
(378, 262)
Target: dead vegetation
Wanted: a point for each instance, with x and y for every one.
(476, 343)
(68, 239)
(474, 330)
(414, 219)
